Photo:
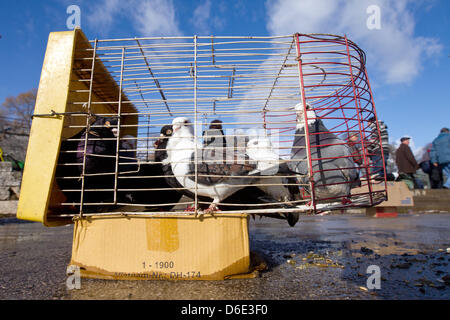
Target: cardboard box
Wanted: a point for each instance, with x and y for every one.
(398, 194)
(159, 248)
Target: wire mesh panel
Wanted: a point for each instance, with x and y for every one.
(263, 125)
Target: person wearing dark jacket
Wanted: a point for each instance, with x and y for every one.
(440, 154)
(214, 135)
(406, 163)
(214, 142)
(376, 151)
(434, 173)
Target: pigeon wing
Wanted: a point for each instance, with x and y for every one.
(212, 170)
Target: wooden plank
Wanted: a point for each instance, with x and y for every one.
(45, 133)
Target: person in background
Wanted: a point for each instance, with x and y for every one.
(214, 135)
(440, 154)
(355, 148)
(214, 141)
(406, 163)
(434, 173)
(374, 149)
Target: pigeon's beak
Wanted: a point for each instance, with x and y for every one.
(179, 123)
(114, 131)
(176, 127)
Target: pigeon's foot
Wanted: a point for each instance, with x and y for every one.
(190, 208)
(212, 208)
(346, 201)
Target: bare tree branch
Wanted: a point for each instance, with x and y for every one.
(17, 111)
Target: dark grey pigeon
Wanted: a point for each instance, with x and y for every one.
(134, 180)
(335, 172)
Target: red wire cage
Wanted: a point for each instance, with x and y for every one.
(333, 82)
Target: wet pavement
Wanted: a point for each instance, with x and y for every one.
(322, 257)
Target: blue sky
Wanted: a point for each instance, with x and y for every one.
(407, 57)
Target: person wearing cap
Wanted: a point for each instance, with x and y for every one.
(440, 154)
(406, 163)
(214, 141)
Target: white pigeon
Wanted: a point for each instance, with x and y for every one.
(214, 180)
(269, 163)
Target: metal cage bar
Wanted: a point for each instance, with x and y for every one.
(359, 119)
(88, 119)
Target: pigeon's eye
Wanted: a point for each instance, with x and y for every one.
(186, 121)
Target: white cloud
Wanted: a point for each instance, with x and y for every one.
(155, 18)
(102, 15)
(148, 17)
(394, 51)
(203, 19)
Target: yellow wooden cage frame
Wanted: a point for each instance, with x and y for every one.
(67, 53)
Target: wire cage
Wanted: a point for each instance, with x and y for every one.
(296, 131)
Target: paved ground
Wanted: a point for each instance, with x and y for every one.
(320, 258)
